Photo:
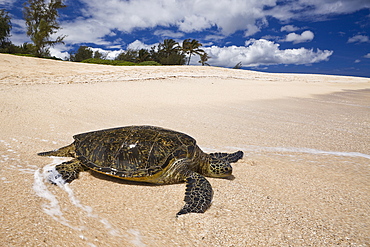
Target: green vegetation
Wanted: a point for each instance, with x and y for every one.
(192, 47)
(82, 54)
(128, 55)
(109, 62)
(167, 53)
(238, 65)
(119, 62)
(41, 21)
(203, 59)
(5, 27)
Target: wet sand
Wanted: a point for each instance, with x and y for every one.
(304, 180)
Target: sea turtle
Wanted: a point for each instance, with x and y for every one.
(148, 154)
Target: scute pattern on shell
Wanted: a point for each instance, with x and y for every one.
(133, 151)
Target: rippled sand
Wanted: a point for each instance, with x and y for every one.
(304, 180)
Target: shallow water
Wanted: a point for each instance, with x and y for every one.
(53, 208)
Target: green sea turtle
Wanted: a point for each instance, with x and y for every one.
(148, 154)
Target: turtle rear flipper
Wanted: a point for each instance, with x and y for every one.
(198, 195)
(67, 151)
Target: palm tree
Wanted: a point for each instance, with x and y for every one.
(169, 46)
(192, 47)
(203, 59)
(143, 55)
(168, 53)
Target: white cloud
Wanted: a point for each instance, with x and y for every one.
(18, 34)
(85, 31)
(357, 61)
(57, 51)
(315, 9)
(99, 17)
(227, 16)
(113, 54)
(289, 28)
(108, 54)
(306, 36)
(367, 55)
(263, 52)
(137, 45)
(359, 39)
(7, 2)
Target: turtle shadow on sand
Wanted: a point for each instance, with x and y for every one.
(119, 180)
(128, 182)
(147, 155)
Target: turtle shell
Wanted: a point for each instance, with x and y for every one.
(133, 152)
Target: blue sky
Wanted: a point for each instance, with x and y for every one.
(304, 36)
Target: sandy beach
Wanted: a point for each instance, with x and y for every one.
(304, 179)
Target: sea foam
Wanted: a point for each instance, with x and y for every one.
(52, 207)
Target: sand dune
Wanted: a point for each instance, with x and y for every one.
(304, 180)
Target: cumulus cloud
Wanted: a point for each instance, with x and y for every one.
(189, 15)
(137, 45)
(99, 17)
(367, 55)
(57, 51)
(85, 31)
(263, 52)
(359, 39)
(306, 36)
(106, 53)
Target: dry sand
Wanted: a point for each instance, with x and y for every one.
(304, 180)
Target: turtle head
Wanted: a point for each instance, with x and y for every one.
(219, 168)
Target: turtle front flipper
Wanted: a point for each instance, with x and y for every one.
(69, 170)
(231, 158)
(198, 195)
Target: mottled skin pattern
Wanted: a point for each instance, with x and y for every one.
(148, 154)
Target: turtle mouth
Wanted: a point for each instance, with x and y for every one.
(228, 174)
(224, 175)
(230, 177)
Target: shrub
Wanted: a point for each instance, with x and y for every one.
(108, 62)
(118, 62)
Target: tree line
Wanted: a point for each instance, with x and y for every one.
(41, 18)
(168, 52)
